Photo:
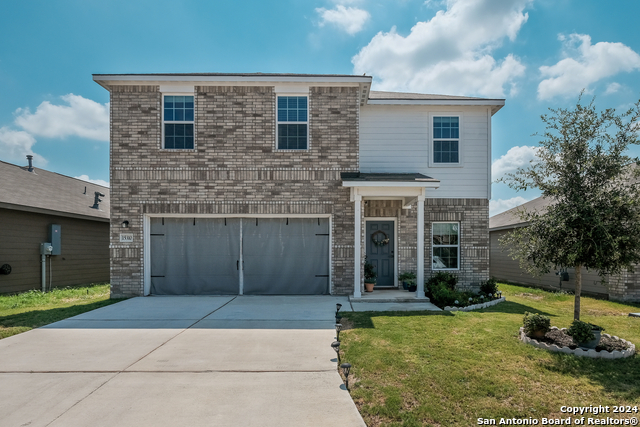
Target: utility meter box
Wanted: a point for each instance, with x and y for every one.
(55, 236)
(46, 249)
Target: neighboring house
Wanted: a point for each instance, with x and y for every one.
(622, 288)
(33, 199)
(283, 183)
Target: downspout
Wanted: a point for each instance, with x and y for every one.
(44, 273)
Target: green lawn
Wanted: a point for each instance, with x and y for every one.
(443, 369)
(28, 310)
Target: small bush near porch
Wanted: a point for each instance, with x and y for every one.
(451, 368)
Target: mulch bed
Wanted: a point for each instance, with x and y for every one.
(561, 339)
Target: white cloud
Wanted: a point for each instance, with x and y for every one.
(585, 64)
(613, 88)
(93, 181)
(15, 145)
(349, 19)
(81, 117)
(515, 158)
(451, 53)
(500, 205)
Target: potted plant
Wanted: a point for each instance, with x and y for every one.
(585, 334)
(536, 325)
(369, 276)
(408, 278)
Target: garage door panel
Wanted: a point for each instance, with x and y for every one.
(286, 256)
(197, 256)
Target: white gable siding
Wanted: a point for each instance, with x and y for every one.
(395, 138)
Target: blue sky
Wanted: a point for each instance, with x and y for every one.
(535, 53)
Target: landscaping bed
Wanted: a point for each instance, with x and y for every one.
(560, 338)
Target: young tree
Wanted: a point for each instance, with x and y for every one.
(583, 168)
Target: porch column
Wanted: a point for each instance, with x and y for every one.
(357, 242)
(420, 249)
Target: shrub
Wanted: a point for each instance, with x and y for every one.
(409, 277)
(369, 273)
(443, 296)
(582, 331)
(536, 322)
(448, 279)
(489, 287)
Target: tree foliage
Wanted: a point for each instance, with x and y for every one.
(584, 170)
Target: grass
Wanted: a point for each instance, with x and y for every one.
(450, 368)
(32, 309)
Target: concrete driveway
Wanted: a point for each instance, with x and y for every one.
(180, 361)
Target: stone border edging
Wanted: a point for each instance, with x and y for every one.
(476, 306)
(616, 354)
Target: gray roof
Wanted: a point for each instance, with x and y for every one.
(374, 94)
(51, 193)
(399, 177)
(509, 219)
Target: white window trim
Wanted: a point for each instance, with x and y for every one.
(308, 122)
(447, 246)
(460, 140)
(179, 150)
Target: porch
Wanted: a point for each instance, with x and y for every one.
(408, 188)
(391, 300)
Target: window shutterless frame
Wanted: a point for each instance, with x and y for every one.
(445, 246)
(292, 122)
(446, 131)
(178, 121)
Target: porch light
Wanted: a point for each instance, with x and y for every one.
(125, 224)
(338, 329)
(336, 347)
(346, 367)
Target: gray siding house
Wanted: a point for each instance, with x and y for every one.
(283, 183)
(622, 288)
(31, 200)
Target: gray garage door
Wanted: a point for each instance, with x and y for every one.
(194, 256)
(286, 256)
(204, 256)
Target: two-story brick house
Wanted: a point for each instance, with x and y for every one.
(282, 183)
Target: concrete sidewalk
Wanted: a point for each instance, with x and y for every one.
(169, 361)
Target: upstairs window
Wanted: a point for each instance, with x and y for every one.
(446, 140)
(292, 123)
(178, 122)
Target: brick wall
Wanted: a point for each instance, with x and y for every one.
(233, 168)
(473, 215)
(625, 286)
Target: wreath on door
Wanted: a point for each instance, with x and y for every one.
(380, 238)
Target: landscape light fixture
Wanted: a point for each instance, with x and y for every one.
(338, 307)
(336, 346)
(346, 367)
(338, 329)
(338, 319)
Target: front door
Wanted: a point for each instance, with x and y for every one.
(380, 250)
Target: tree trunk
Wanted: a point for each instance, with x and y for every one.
(576, 306)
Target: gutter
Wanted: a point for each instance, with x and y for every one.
(43, 211)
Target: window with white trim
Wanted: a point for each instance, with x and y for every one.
(292, 122)
(446, 139)
(445, 245)
(178, 122)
